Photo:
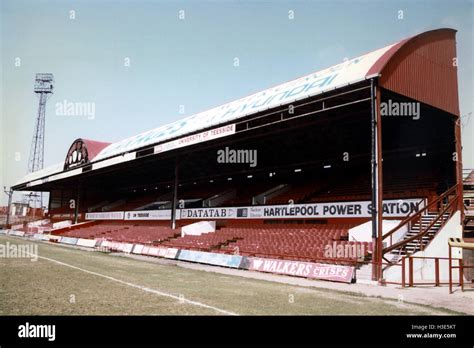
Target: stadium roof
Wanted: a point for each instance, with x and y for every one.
(187, 131)
(348, 72)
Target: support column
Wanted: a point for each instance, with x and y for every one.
(459, 190)
(49, 203)
(9, 207)
(374, 185)
(76, 209)
(376, 176)
(379, 166)
(174, 201)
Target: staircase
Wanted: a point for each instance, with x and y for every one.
(413, 246)
(468, 199)
(422, 227)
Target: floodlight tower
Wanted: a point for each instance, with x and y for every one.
(43, 88)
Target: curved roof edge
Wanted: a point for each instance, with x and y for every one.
(422, 68)
(83, 151)
(382, 62)
(93, 146)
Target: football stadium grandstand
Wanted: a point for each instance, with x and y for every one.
(350, 173)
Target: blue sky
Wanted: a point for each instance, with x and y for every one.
(186, 62)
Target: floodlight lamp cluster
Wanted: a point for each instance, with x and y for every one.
(44, 83)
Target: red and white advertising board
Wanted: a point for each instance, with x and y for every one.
(196, 138)
(137, 249)
(336, 273)
(108, 215)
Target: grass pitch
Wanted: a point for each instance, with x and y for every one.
(99, 284)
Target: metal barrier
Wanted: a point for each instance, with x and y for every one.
(408, 278)
(458, 243)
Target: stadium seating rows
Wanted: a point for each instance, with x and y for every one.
(306, 243)
(131, 233)
(292, 242)
(245, 195)
(306, 191)
(297, 193)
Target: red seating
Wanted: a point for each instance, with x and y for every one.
(293, 242)
(245, 194)
(125, 232)
(304, 242)
(297, 193)
(357, 188)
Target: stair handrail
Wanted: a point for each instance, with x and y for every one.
(467, 172)
(422, 232)
(417, 215)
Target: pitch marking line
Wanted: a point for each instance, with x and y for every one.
(153, 291)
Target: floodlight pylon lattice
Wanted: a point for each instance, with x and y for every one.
(44, 89)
